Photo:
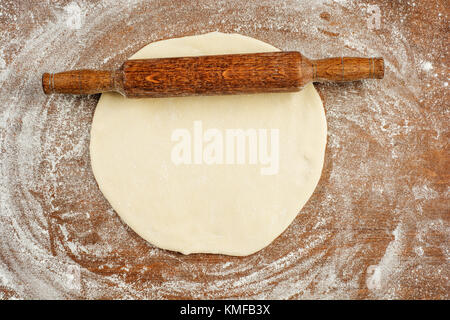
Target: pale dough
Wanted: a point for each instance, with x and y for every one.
(230, 209)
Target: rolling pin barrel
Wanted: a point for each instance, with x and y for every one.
(214, 75)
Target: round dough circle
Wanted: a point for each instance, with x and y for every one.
(230, 209)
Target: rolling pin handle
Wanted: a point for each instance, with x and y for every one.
(82, 82)
(347, 69)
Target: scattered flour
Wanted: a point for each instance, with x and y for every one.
(424, 192)
(427, 66)
(378, 275)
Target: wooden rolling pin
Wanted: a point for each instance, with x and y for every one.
(214, 75)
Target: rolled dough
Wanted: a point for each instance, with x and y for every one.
(209, 206)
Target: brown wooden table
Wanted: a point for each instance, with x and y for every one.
(377, 225)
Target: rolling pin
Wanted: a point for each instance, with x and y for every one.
(286, 71)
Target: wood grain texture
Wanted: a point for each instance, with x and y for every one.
(376, 227)
(213, 75)
(347, 69)
(81, 82)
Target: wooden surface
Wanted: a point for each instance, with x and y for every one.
(376, 227)
(285, 71)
